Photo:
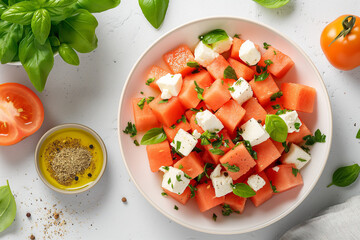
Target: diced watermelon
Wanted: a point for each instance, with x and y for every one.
(217, 67)
(235, 202)
(240, 157)
(192, 165)
(167, 112)
(297, 137)
(171, 131)
(298, 97)
(274, 106)
(279, 146)
(241, 69)
(184, 197)
(284, 179)
(230, 114)
(144, 118)
(202, 78)
(263, 194)
(281, 63)
(237, 42)
(215, 157)
(156, 73)
(206, 157)
(159, 155)
(216, 95)
(253, 110)
(263, 90)
(267, 153)
(178, 58)
(202, 106)
(206, 198)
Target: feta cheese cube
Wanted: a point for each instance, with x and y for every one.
(196, 134)
(174, 180)
(256, 182)
(242, 91)
(249, 54)
(276, 169)
(223, 45)
(253, 132)
(204, 55)
(184, 142)
(208, 121)
(291, 118)
(221, 181)
(170, 85)
(297, 156)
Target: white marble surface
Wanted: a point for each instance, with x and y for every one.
(90, 94)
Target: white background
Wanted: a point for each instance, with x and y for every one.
(90, 94)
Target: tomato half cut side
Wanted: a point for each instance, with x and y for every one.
(21, 113)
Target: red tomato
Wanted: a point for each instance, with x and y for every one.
(21, 113)
(340, 42)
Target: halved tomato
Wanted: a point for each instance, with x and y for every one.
(21, 113)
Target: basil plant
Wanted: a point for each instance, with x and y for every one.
(33, 31)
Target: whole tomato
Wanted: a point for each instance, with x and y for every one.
(340, 42)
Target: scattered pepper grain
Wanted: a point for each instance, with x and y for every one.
(28, 214)
(32, 237)
(124, 200)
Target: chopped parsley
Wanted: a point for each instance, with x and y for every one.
(227, 210)
(182, 119)
(196, 149)
(187, 176)
(166, 168)
(206, 137)
(318, 137)
(130, 129)
(136, 143)
(178, 145)
(229, 73)
(164, 194)
(297, 126)
(149, 100)
(301, 159)
(218, 143)
(181, 166)
(169, 181)
(231, 168)
(217, 151)
(141, 103)
(266, 46)
(274, 52)
(163, 101)
(276, 95)
(196, 110)
(231, 89)
(273, 188)
(277, 106)
(199, 91)
(286, 147)
(204, 173)
(263, 73)
(193, 64)
(295, 171)
(192, 190)
(237, 35)
(176, 207)
(214, 217)
(178, 178)
(150, 80)
(173, 126)
(306, 149)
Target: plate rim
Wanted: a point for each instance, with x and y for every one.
(329, 135)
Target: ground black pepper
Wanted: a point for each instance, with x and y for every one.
(28, 215)
(89, 175)
(32, 237)
(124, 199)
(91, 146)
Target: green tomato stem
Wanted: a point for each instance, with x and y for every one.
(347, 27)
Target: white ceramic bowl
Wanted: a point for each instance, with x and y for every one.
(149, 184)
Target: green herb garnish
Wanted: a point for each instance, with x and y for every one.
(345, 176)
(214, 217)
(150, 80)
(276, 95)
(199, 91)
(154, 11)
(318, 137)
(276, 127)
(141, 103)
(243, 190)
(272, 3)
(153, 136)
(227, 210)
(163, 101)
(164, 194)
(136, 143)
(217, 151)
(192, 190)
(273, 188)
(178, 178)
(231, 168)
(266, 46)
(176, 207)
(295, 171)
(130, 129)
(229, 73)
(7, 207)
(193, 64)
(301, 159)
(213, 36)
(182, 119)
(297, 126)
(277, 106)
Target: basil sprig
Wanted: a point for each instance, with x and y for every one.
(213, 37)
(276, 127)
(7, 207)
(154, 11)
(153, 136)
(243, 190)
(272, 3)
(229, 73)
(345, 176)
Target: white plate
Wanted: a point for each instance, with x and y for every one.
(149, 184)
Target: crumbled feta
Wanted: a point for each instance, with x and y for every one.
(204, 55)
(276, 169)
(249, 54)
(297, 156)
(174, 180)
(223, 45)
(170, 85)
(256, 182)
(253, 132)
(241, 91)
(184, 142)
(196, 134)
(221, 181)
(291, 118)
(208, 121)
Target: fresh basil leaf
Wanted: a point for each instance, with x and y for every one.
(96, 6)
(7, 207)
(276, 127)
(68, 54)
(295, 171)
(20, 13)
(243, 190)
(10, 36)
(54, 41)
(272, 3)
(130, 129)
(79, 31)
(318, 137)
(3, 7)
(217, 151)
(37, 59)
(41, 25)
(263, 76)
(229, 73)
(276, 95)
(59, 10)
(154, 11)
(358, 134)
(345, 176)
(153, 136)
(231, 168)
(214, 36)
